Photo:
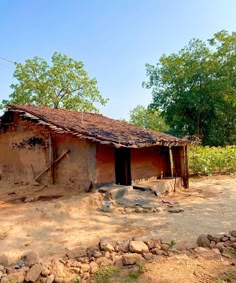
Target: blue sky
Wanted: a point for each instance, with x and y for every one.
(114, 39)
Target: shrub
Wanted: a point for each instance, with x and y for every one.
(212, 160)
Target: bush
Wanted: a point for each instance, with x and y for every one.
(212, 160)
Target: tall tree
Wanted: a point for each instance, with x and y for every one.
(147, 119)
(63, 84)
(195, 89)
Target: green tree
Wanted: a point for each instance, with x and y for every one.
(147, 119)
(63, 84)
(195, 89)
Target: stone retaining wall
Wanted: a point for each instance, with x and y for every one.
(80, 263)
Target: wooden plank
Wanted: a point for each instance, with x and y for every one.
(54, 163)
(51, 160)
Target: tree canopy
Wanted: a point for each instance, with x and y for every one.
(63, 84)
(195, 89)
(147, 119)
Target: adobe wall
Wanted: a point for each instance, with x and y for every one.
(22, 151)
(78, 168)
(149, 162)
(24, 154)
(105, 172)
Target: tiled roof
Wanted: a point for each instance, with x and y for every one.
(95, 127)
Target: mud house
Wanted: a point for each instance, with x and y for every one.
(82, 149)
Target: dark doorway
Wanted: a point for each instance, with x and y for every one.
(122, 166)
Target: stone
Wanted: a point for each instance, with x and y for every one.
(212, 244)
(150, 244)
(232, 239)
(215, 237)
(86, 276)
(234, 245)
(138, 247)
(109, 248)
(57, 269)
(85, 267)
(224, 239)
(84, 259)
(219, 245)
(131, 259)
(30, 258)
(200, 250)
(157, 251)
(107, 254)
(105, 245)
(227, 244)
(175, 210)
(18, 276)
(138, 210)
(148, 256)
(122, 246)
(103, 261)
(216, 251)
(165, 247)
(233, 233)
(76, 252)
(4, 280)
(73, 263)
(4, 260)
(203, 241)
(45, 271)
(93, 267)
(34, 272)
(1, 268)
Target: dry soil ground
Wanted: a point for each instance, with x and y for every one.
(56, 222)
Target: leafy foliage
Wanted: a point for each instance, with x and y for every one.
(64, 84)
(147, 119)
(195, 89)
(212, 160)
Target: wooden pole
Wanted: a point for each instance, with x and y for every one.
(51, 177)
(54, 163)
(171, 162)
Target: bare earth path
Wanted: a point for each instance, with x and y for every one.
(51, 226)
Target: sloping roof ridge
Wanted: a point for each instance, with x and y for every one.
(96, 126)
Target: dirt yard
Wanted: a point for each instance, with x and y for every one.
(55, 222)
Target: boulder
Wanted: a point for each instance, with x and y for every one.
(85, 267)
(203, 241)
(200, 250)
(93, 267)
(105, 245)
(122, 246)
(34, 272)
(219, 245)
(148, 256)
(57, 269)
(50, 278)
(76, 252)
(233, 233)
(150, 244)
(138, 247)
(18, 276)
(233, 239)
(131, 259)
(30, 258)
(215, 237)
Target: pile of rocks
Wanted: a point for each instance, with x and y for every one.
(80, 263)
(219, 241)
